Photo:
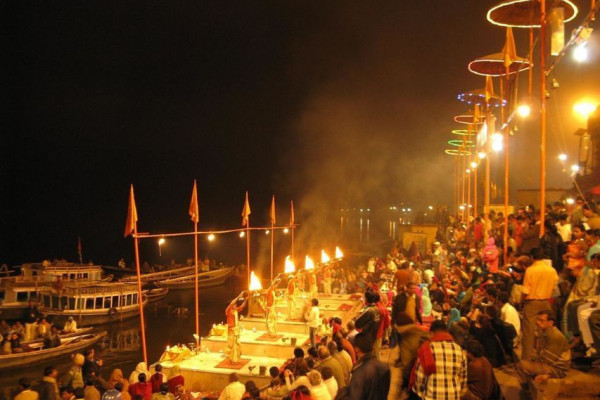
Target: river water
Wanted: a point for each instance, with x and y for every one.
(166, 324)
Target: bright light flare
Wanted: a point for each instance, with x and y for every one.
(562, 157)
(430, 207)
(497, 142)
(211, 237)
(267, 232)
(584, 108)
(524, 110)
(338, 252)
(254, 282)
(481, 155)
(581, 53)
(286, 230)
(242, 234)
(324, 257)
(161, 241)
(570, 201)
(289, 265)
(308, 263)
(473, 165)
(575, 168)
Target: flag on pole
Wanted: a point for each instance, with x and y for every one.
(273, 210)
(246, 211)
(509, 51)
(489, 88)
(132, 216)
(79, 252)
(193, 211)
(292, 219)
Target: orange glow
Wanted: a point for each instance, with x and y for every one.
(308, 263)
(289, 265)
(254, 282)
(324, 257)
(167, 348)
(338, 252)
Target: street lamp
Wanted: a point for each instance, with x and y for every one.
(524, 110)
(562, 157)
(584, 108)
(211, 237)
(581, 53)
(161, 241)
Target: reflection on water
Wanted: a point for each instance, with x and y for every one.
(167, 323)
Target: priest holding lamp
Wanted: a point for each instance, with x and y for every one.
(234, 350)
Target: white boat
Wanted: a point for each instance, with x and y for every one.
(205, 279)
(159, 276)
(92, 304)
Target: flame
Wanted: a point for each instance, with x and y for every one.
(338, 252)
(308, 263)
(254, 282)
(289, 265)
(324, 257)
(167, 349)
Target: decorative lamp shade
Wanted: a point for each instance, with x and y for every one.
(469, 118)
(477, 97)
(527, 13)
(493, 65)
(457, 152)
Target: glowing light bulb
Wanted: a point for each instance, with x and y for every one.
(497, 144)
(242, 234)
(161, 241)
(575, 168)
(570, 201)
(481, 155)
(285, 230)
(562, 157)
(580, 53)
(524, 110)
(473, 165)
(584, 108)
(211, 237)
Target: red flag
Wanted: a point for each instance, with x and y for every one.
(273, 210)
(509, 50)
(132, 216)
(193, 211)
(246, 212)
(292, 219)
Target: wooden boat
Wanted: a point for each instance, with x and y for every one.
(205, 279)
(118, 272)
(17, 291)
(38, 354)
(92, 304)
(155, 294)
(153, 277)
(79, 332)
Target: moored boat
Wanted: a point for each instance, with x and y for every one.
(155, 294)
(205, 279)
(159, 276)
(78, 332)
(92, 304)
(38, 354)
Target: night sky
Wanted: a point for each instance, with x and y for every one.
(328, 103)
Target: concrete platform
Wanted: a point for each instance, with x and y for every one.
(279, 348)
(201, 374)
(283, 326)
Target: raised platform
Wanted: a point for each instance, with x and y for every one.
(251, 344)
(283, 326)
(201, 373)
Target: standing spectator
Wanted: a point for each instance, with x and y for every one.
(26, 393)
(48, 388)
(91, 367)
(538, 284)
(441, 367)
(490, 255)
(370, 378)
(157, 379)
(74, 377)
(368, 322)
(312, 317)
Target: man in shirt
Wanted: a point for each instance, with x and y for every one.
(312, 317)
(552, 355)
(26, 393)
(233, 328)
(327, 361)
(441, 367)
(538, 284)
(368, 322)
(235, 390)
(509, 314)
(48, 388)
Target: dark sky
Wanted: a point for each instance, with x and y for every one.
(329, 103)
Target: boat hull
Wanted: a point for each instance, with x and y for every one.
(91, 318)
(22, 360)
(205, 280)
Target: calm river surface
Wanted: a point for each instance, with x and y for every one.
(123, 349)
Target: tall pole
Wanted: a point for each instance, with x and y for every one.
(196, 294)
(292, 223)
(464, 175)
(248, 249)
(140, 299)
(486, 190)
(543, 115)
(475, 193)
(506, 188)
(272, 233)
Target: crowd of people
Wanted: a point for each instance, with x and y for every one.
(451, 313)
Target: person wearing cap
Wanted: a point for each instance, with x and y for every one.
(74, 378)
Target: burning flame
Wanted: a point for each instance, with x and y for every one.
(254, 282)
(338, 252)
(308, 263)
(324, 257)
(289, 265)
(167, 348)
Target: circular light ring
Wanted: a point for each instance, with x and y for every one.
(521, 13)
(462, 132)
(488, 66)
(459, 143)
(478, 98)
(468, 119)
(456, 152)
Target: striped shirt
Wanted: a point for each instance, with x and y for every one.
(449, 380)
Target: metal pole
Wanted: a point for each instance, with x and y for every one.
(140, 299)
(543, 115)
(197, 295)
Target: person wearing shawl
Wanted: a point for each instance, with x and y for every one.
(117, 376)
(426, 300)
(175, 379)
(454, 316)
(141, 368)
(490, 255)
